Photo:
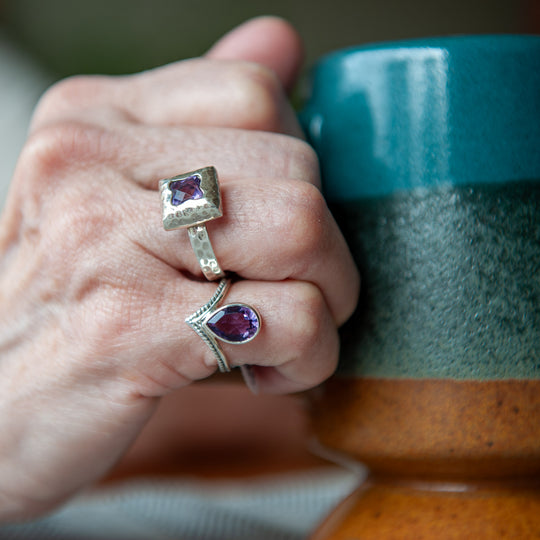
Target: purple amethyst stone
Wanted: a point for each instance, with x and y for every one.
(186, 189)
(235, 323)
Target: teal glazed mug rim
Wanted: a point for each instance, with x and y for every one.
(461, 109)
(430, 159)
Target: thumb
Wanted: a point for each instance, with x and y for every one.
(269, 41)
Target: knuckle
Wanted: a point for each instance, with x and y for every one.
(309, 319)
(113, 315)
(259, 97)
(330, 359)
(78, 91)
(82, 226)
(306, 227)
(53, 149)
(300, 162)
(75, 270)
(49, 179)
(74, 240)
(110, 316)
(100, 331)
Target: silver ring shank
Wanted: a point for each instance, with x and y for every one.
(196, 322)
(200, 242)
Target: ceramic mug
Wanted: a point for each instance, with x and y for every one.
(430, 157)
(430, 160)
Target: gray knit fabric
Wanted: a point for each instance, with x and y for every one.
(281, 508)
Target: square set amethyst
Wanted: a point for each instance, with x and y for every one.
(188, 189)
(190, 199)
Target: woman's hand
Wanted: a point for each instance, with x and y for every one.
(94, 292)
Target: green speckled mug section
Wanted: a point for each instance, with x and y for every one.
(451, 283)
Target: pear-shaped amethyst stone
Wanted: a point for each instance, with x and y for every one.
(186, 189)
(235, 323)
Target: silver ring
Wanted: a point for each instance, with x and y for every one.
(232, 323)
(188, 201)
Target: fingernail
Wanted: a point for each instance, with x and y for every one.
(249, 378)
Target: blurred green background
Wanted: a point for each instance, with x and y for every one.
(122, 36)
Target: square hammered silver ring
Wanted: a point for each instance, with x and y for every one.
(188, 201)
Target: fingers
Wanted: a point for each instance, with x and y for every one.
(101, 144)
(95, 292)
(298, 345)
(155, 351)
(272, 230)
(268, 41)
(206, 92)
(126, 321)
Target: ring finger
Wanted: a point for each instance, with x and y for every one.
(296, 348)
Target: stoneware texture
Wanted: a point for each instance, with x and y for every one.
(430, 156)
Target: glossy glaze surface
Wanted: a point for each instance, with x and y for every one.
(395, 116)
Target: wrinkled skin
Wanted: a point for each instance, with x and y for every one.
(94, 291)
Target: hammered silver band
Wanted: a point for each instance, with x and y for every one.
(190, 200)
(200, 242)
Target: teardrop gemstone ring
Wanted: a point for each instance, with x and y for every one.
(232, 323)
(188, 201)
